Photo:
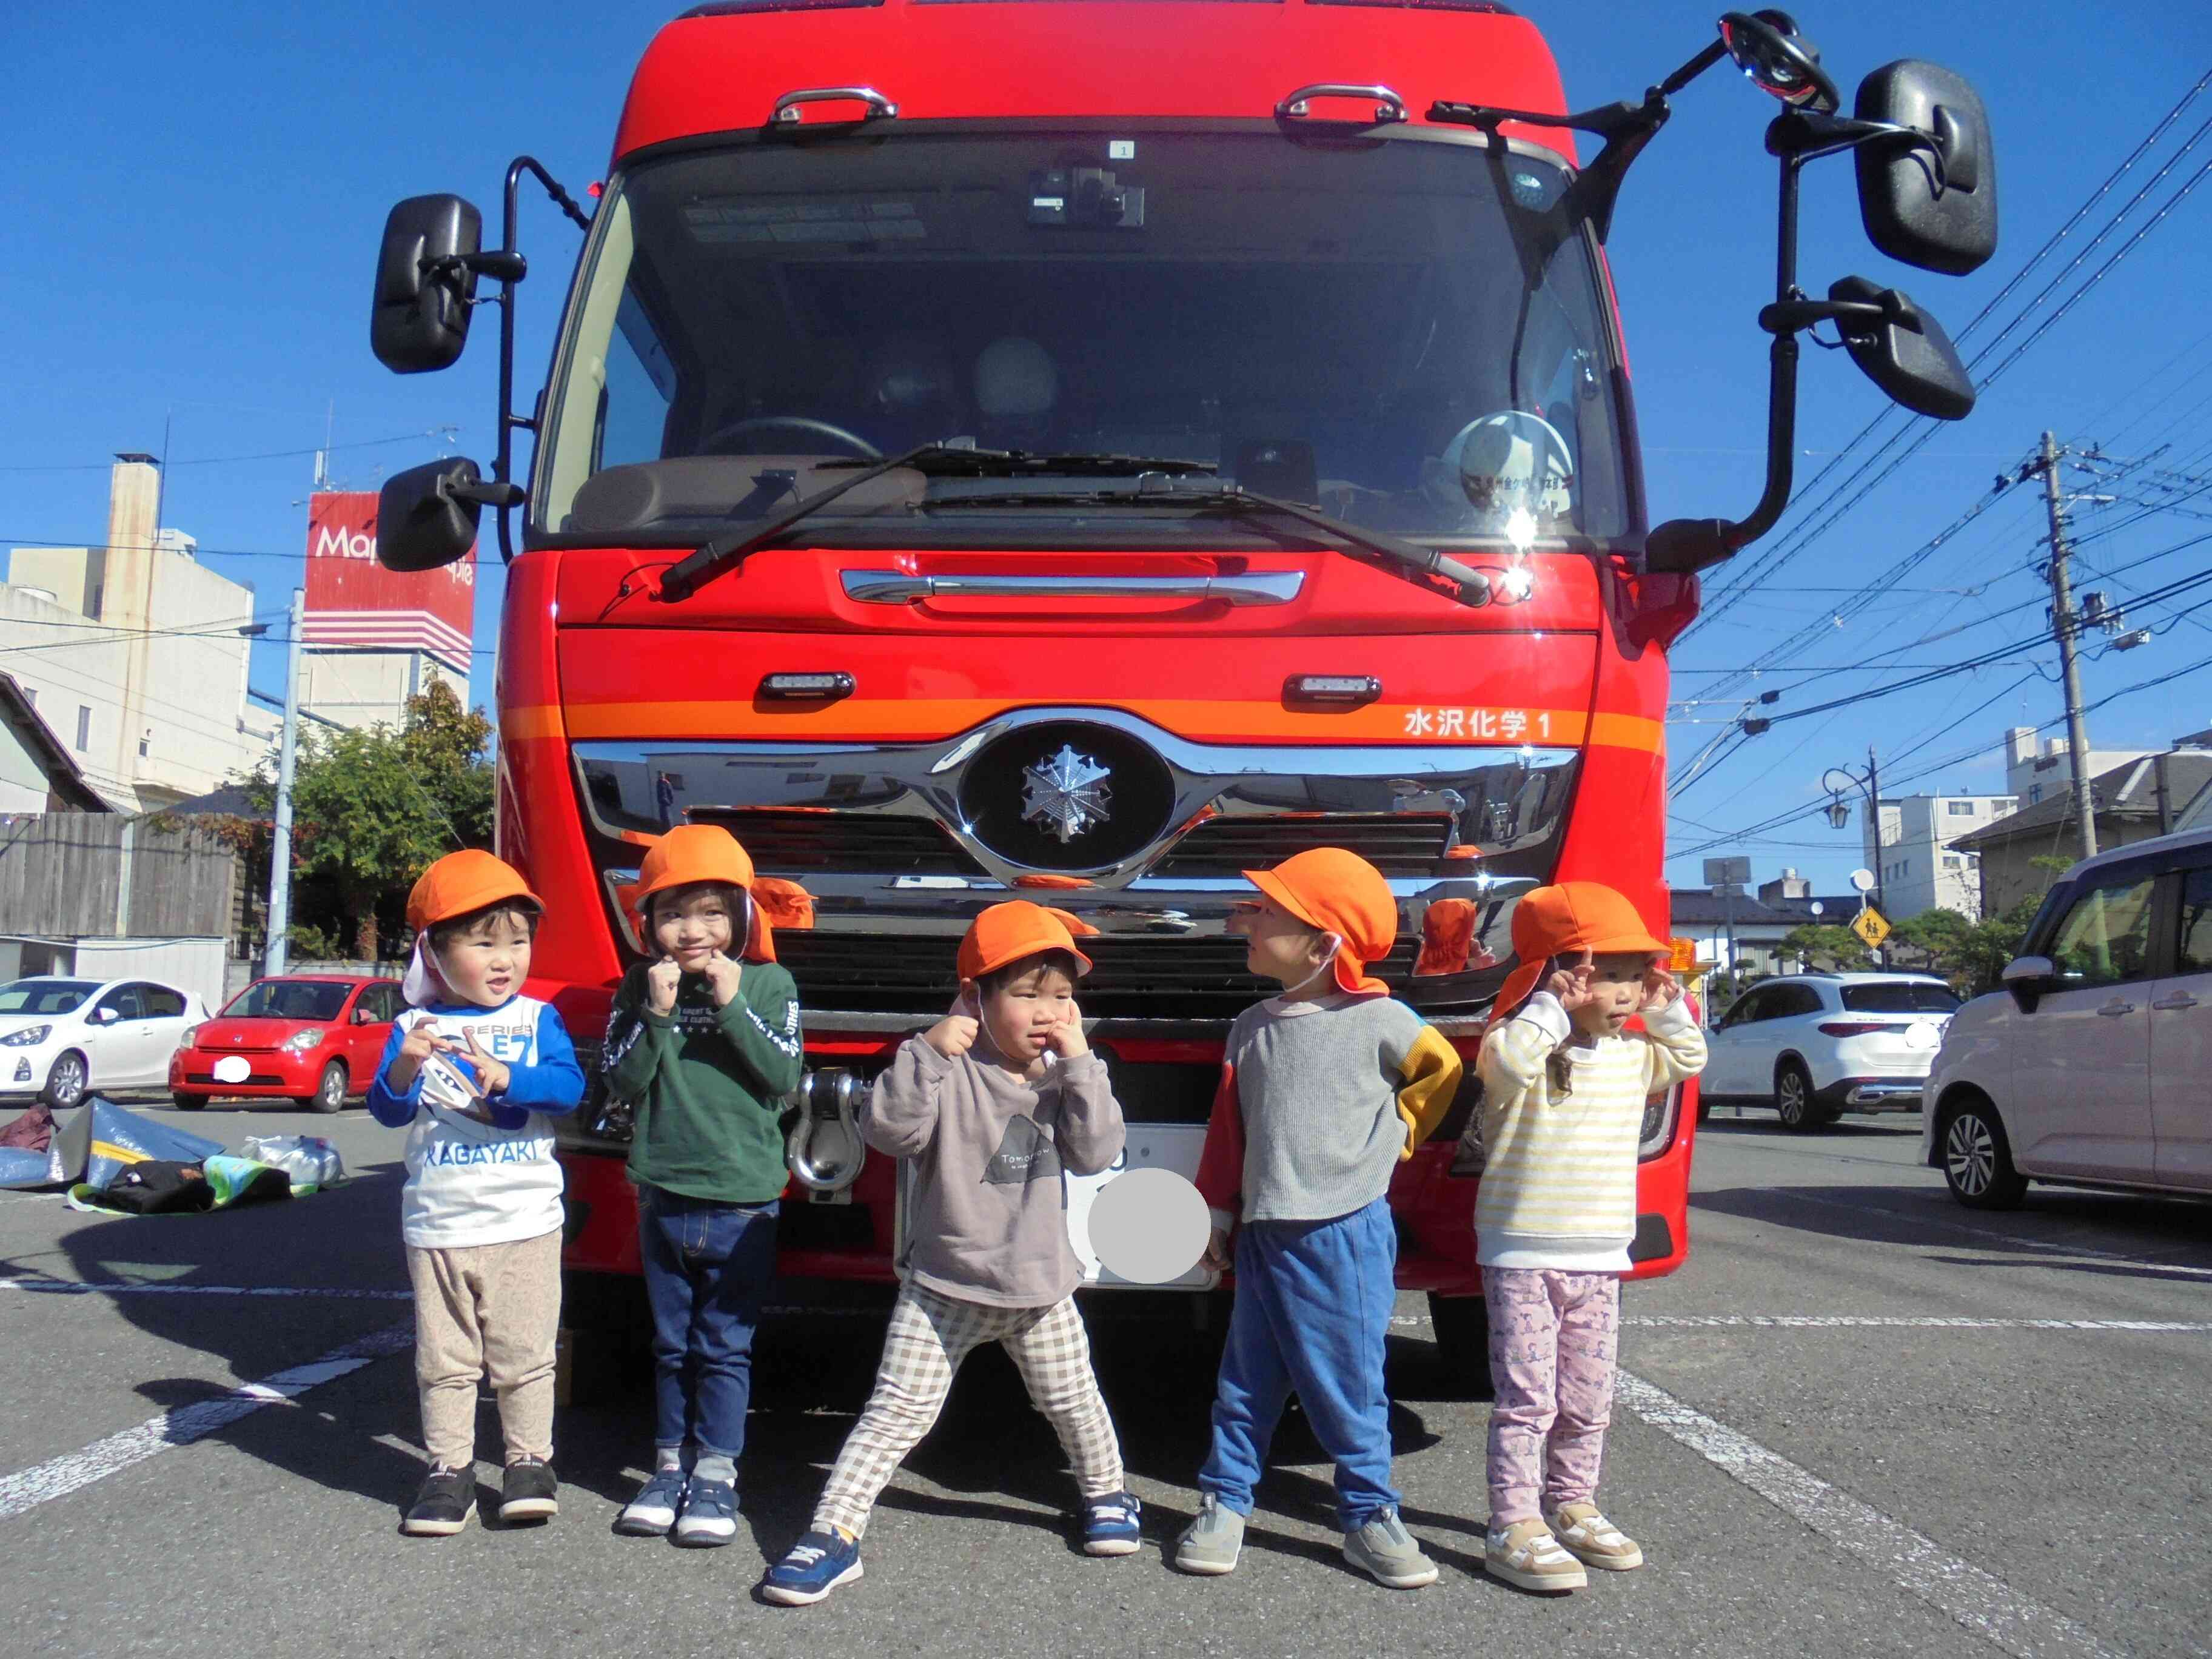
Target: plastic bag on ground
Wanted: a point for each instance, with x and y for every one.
(310, 1160)
(101, 1140)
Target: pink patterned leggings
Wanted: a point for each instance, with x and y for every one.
(1553, 1339)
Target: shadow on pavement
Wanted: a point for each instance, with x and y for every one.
(1904, 1215)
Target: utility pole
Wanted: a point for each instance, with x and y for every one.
(280, 844)
(1873, 817)
(2062, 627)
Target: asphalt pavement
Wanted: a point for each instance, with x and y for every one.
(1861, 1420)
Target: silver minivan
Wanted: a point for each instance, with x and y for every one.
(2092, 1066)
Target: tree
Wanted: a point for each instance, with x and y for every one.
(372, 808)
(1938, 938)
(1826, 945)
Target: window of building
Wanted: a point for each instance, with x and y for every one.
(84, 728)
(1953, 861)
(31, 695)
(145, 745)
(1960, 809)
(2034, 793)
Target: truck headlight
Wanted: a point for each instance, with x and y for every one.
(29, 1036)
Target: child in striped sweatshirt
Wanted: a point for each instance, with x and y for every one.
(1563, 1085)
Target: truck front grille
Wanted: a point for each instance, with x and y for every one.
(1396, 844)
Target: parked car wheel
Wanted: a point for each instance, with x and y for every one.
(1977, 1165)
(65, 1083)
(330, 1094)
(1461, 1324)
(1793, 1098)
(188, 1103)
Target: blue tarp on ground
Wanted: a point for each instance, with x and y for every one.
(101, 1140)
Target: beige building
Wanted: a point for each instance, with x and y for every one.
(2134, 802)
(362, 688)
(135, 653)
(2034, 774)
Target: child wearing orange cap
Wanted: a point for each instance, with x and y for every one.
(991, 1104)
(1325, 1089)
(472, 1071)
(1563, 1085)
(704, 1038)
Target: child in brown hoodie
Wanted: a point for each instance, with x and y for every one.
(993, 1103)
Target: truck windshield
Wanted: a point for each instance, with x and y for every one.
(1410, 335)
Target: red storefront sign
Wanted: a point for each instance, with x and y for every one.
(354, 600)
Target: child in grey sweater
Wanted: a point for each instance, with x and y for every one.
(991, 1104)
(1324, 1090)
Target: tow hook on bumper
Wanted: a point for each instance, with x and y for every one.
(823, 1150)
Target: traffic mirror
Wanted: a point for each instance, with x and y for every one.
(426, 283)
(1906, 353)
(1768, 49)
(1928, 194)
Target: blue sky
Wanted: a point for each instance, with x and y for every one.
(197, 190)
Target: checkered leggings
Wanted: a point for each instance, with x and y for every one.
(929, 1334)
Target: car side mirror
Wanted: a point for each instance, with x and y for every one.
(426, 284)
(105, 1016)
(1927, 196)
(1905, 351)
(427, 516)
(2027, 978)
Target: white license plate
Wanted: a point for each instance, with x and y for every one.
(232, 1068)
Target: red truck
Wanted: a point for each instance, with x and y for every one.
(1089, 450)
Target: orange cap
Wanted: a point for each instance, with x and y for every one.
(1007, 932)
(461, 882)
(1336, 891)
(1574, 916)
(694, 853)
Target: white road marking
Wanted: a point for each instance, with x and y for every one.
(1980, 1602)
(1882, 1321)
(95, 1287)
(57, 1477)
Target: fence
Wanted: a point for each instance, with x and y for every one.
(98, 875)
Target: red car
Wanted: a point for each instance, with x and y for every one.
(313, 1038)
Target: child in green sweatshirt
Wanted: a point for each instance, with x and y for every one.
(704, 1042)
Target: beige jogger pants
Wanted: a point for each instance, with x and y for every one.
(486, 1309)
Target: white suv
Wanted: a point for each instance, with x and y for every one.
(1815, 1046)
(2091, 1068)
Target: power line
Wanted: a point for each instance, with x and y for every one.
(446, 433)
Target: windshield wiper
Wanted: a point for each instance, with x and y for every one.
(725, 553)
(1468, 585)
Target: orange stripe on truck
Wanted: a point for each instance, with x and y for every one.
(921, 719)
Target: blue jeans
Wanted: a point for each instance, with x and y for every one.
(1312, 1311)
(707, 1266)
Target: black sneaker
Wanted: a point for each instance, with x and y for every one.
(528, 1492)
(444, 1505)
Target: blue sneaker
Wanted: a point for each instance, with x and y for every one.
(710, 1513)
(653, 1512)
(818, 1563)
(1110, 1524)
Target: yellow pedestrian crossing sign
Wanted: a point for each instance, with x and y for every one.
(1871, 926)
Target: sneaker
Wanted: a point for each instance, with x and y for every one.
(816, 1565)
(1110, 1524)
(1385, 1549)
(1527, 1556)
(444, 1505)
(1210, 1545)
(652, 1511)
(710, 1513)
(529, 1491)
(1593, 1541)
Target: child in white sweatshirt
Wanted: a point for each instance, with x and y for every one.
(1564, 1083)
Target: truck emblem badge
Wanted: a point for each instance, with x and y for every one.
(1066, 795)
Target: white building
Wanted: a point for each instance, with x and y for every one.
(2034, 774)
(135, 655)
(1917, 868)
(358, 687)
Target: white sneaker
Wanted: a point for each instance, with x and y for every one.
(1526, 1555)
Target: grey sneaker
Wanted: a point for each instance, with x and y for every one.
(1384, 1548)
(1209, 1545)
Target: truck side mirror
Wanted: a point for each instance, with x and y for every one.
(1906, 354)
(1932, 204)
(426, 517)
(426, 282)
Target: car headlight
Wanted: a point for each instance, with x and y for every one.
(192, 1035)
(1656, 1133)
(29, 1036)
(300, 1041)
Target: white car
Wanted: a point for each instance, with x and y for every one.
(2090, 1067)
(1814, 1045)
(61, 1039)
